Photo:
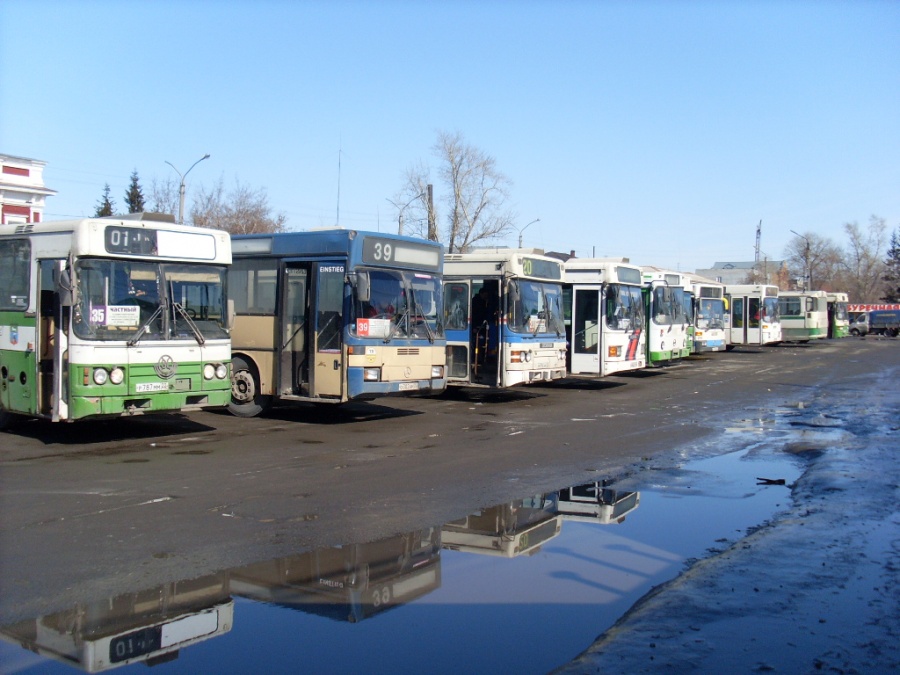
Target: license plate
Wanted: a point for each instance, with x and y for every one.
(144, 387)
(409, 386)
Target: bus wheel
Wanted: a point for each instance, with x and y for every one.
(245, 398)
(6, 420)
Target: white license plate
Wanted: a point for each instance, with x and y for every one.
(144, 387)
(409, 386)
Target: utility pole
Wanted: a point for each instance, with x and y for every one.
(432, 226)
(181, 187)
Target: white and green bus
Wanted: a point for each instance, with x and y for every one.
(604, 316)
(112, 316)
(838, 316)
(803, 315)
(667, 319)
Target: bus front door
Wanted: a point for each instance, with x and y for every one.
(457, 308)
(586, 342)
(328, 359)
(294, 361)
(738, 322)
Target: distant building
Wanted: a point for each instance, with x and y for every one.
(764, 272)
(22, 191)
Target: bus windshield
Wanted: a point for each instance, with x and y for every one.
(662, 306)
(624, 308)
(410, 304)
(127, 300)
(535, 307)
(711, 314)
(770, 310)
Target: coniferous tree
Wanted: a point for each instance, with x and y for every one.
(106, 206)
(134, 197)
(892, 270)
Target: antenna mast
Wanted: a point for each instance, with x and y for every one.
(338, 218)
(758, 237)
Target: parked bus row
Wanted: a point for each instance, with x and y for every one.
(130, 315)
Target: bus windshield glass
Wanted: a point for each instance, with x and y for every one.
(409, 305)
(770, 310)
(117, 299)
(662, 307)
(710, 314)
(535, 307)
(624, 308)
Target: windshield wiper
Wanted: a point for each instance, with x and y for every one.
(143, 329)
(198, 336)
(396, 327)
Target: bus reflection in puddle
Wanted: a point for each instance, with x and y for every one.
(345, 583)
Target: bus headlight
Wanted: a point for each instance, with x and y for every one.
(209, 371)
(520, 357)
(221, 371)
(100, 376)
(437, 372)
(117, 375)
(371, 374)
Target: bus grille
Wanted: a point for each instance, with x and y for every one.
(407, 351)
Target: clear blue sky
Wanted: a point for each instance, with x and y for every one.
(659, 131)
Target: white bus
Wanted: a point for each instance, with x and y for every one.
(803, 315)
(838, 316)
(666, 319)
(112, 316)
(710, 314)
(604, 316)
(503, 318)
(754, 314)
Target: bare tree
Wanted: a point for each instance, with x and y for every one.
(862, 266)
(892, 270)
(811, 255)
(243, 210)
(475, 200)
(163, 196)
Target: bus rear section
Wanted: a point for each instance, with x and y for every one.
(112, 316)
(335, 316)
(803, 315)
(503, 318)
(604, 317)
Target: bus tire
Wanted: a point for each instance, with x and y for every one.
(6, 420)
(245, 398)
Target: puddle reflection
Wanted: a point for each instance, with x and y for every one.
(564, 565)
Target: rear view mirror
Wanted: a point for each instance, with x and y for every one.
(363, 289)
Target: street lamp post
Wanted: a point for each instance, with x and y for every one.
(181, 187)
(536, 220)
(806, 259)
(401, 209)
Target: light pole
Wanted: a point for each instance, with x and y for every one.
(401, 209)
(806, 257)
(181, 187)
(536, 220)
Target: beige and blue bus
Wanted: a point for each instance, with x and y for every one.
(604, 316)
(334, 315)
(504, 318)
(112, 316)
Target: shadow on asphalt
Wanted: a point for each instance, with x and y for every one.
(105, 431)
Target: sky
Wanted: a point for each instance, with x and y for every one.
(664, 132)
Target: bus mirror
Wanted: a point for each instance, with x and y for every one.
(363, 290)
(64, 287)
(230, 313)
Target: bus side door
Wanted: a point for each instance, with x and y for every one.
(18, 361)
(738, 323)
(294, 362)
(457, 309)
(328, 358)
(586, 330)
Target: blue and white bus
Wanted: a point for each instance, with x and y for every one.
(334, 316)
(504, 318)
(710, 314)
(604, 315)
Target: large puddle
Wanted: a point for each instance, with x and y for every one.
(519, 587)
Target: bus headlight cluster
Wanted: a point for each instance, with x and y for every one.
(101, 376)
(437, 372)
(215, 370)
(520, 357)
(372, 374)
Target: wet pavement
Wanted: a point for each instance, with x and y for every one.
(521, 587)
